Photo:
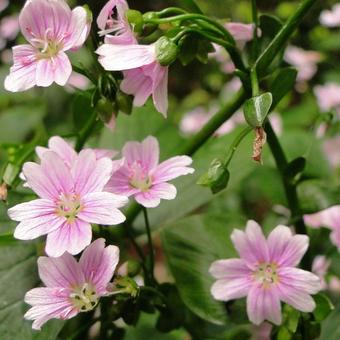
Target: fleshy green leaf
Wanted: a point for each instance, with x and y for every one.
(323, 308)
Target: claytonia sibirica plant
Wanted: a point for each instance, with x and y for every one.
(266, 273)
(72, 287)
(141, 175)
(92, 174)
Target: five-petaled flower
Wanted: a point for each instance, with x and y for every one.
(70, 199)
(265, 273)
(143, 74)
(71, 287)
(140, 174)
(51, 28)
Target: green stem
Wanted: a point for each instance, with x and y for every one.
(290, 188)
(171, 10)
(276, 45)
(254, 83)
(197, 18)
(151, 250)
(199, 139)
(86, 131)
(154, 291)
(256, 25)
(236, 143)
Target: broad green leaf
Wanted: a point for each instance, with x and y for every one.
(191, 245)
(323, 308)
(18, 274)
(330, 329)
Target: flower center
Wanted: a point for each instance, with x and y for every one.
(69, 206)
(84, 298)
(266, 274)
(139, 177)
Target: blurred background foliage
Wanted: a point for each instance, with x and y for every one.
(203, 219)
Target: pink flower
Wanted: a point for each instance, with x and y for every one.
(77, 81)
(141, 176)
(266, 273)
(9, 27)
(261, 332)
(331, 148)
(331, 18)
(70, 199)
(51, 28)
(320, 267)
(329, 218)
(242, 33)
(304, 61)
(71, 287)
(328, 97)
(143, 75)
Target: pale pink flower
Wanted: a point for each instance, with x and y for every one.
(304, 61)
(51, 28)
(328, 218)
(261, 332)
(331, 148)
(3, 4)
(77, 81)
(320, 267)
(328, 97)
(242, 33)
(71, 287)
(334, 285)
(70, 199)
(142, 176)
(143, 75)
(331, 18)
(266, 273)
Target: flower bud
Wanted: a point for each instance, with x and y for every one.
(135, 19)
(166, 51)
(126, 285)
(105, 109)
(216, 178)
(124, 102)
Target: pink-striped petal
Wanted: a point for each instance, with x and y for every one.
(160, 89)
(225, 290)
(62, 68)
(229, 269)
(99, 263)
(101, 208)
(63, 271)
(72, 237)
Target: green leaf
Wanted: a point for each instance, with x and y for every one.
(330, 329)
(7, 239)
(323, 308)
(283, 82)
(82, 109)
(284, 334)
(191, 245)
(18, 274)
(256, 109)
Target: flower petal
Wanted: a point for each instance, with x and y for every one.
(99, 263)
(23, 72)
(125, 57)
(160, 89)
(90, 174)
(172, 168)
(225, 290)
(286, 249)
(62, 68)
(48, 303)
(45, 72)
(147, 199)
(72, 237)
(251, 244)
(101, 208)
(63, 271)
(229, 269)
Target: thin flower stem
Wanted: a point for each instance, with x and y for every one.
(86, 131)
(151, 249)
(289, 187)
(196, 18)
(154, 291)
(171, 10)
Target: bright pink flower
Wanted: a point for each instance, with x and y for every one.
(71, 287)
(304, 61)
(142, 176)
(143, 75)
(328, 97)
(71, 198)
(320, 267)
(328, 218)
(331, 18)
(266, 273)
(51, 28)
(331, 148)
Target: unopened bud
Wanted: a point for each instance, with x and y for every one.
(257, 108)
(135, 19)
(105, 109)
(166, 51)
